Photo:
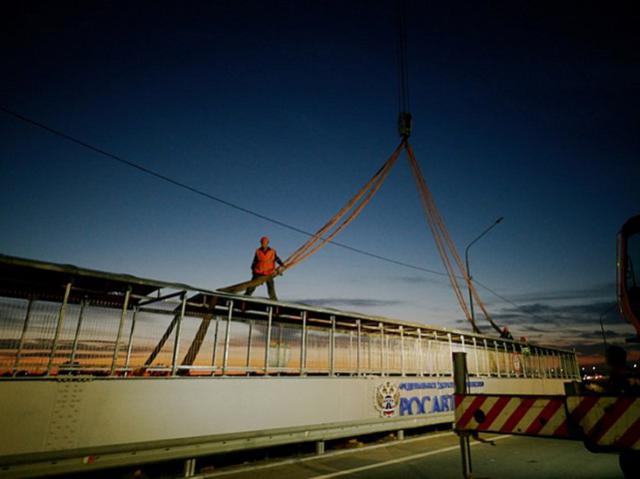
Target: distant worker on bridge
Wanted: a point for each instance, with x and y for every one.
(506, 334)
(264, 264)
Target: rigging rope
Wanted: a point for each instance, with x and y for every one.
(436, 227)
(444, 244)
(324, 235)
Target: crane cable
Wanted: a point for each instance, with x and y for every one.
(403, 73)
(404, 108)
(444, 244)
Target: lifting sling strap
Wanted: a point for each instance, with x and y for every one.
(324, 235)
(347, 214)
(444, 244)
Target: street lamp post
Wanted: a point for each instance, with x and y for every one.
(466, 260)
(604, 337)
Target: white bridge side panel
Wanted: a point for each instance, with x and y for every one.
(55, 415)
(132, 411)
(25, 410)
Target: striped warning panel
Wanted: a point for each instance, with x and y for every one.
(607, 420)
(529, 415)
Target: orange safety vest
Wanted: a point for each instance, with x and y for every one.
(265, 262)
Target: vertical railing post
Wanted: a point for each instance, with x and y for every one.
(382, 350)
(267, 348)
(123, 317)
(546, 367)
(525, 354)
(76, 336)
(487, 357)
(23, 335)
(420, 360)
(387, 353)
(521, 360)
(130, 341)
(249, 345)
(576, 367)
(227, 334)
(402, 358)
(303, 344)
(436, 354)
(511, 359)
(359, 346)
(370, 352)
(332, 347)
(280, 358)
(495, 349)
(507, 362)
(475, 355)
(541, 370)
(56, 336)
(449, 339)
(215, 345)
(176, 341)
(460, 376)
(351, 352)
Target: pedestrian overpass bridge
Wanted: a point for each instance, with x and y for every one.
(101, 370)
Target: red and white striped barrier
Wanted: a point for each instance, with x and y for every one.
(607, 420)
(528, 415)
(610, 422)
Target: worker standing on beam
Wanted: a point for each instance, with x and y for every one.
(264, 264)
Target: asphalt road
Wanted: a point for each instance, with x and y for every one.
(437, 455)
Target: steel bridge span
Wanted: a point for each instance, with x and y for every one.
(101, 370)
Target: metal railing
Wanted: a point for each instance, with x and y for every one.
(80, 332)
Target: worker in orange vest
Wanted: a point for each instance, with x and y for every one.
(264, 264)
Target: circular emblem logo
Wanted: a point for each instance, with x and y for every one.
(387, 399)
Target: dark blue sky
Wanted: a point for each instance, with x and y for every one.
(527, 110)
